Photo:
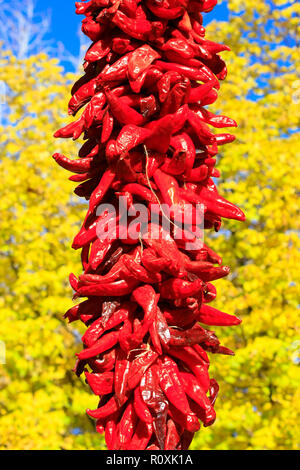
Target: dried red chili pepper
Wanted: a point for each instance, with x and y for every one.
(171, 385)
(149, 73)
(127, 426)
(101, 384)
(141, 408)
(139, 366)
(122, 367)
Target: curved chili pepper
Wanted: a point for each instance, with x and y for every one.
(98, 194)
(101, 384)
(180, 317)
(122, 112)
(72, 130)
(171, 385)
(127, 425)
(188, 422)
(97, 328)
(82, 96)
(98, 252)
(179, 288)
(189, 357)
(103, 344)
(98, 50)
(139, 366)
(122, 287)
(191, 337)
(195, 392)
(192, 73)
(141, 436)
(211, 316)
(141, 408)
(111, 430)
(104, 411)
(154, 397)
(121, 376)
(105, 363)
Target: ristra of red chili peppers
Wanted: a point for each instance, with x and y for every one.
(149, 73)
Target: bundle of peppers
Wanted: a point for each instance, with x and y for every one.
(149, 74)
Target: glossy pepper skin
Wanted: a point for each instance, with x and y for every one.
(149, 139)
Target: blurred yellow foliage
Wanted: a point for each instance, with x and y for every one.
(41, 402)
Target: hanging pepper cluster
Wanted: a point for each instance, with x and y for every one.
(149, 74)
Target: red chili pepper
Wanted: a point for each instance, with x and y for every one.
(147, 298)
(180, 317)
(127, 425)
(98, 327)
(98, 50)
(139, 366)
(105, 363)
(140, 60)
(175, 98)
(190, 337)
(153, 262)
(111, 430)
(121, 376)
(141, 408)
(107, 126)
(179, 289)
(104, 411)
(163, 129)
(88, 307)
(103, 344)
(211, 316)
(154, 397)
(148, 106)
(97, 196)
(141, 436)
(101, 384)
(192, 73)
(164, 84)
(140, 191)
(99, 250)
(125, 337)
(194, 390)
(171, 385)
(188, 422)
(72, 130)
(123, 113)
(189, 357)
(166, 13)
(138, 29)
(203, 94)
(154, 335)
(82, 96)
(77, 166)
(92, 29)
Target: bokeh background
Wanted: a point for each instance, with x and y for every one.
(42, 403)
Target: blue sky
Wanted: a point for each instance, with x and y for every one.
(65, 23)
